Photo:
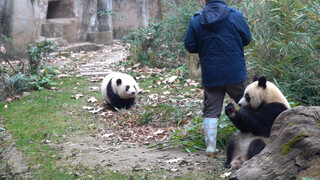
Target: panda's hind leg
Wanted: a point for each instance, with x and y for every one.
(255, 147)
(238, 161)
(232, 149)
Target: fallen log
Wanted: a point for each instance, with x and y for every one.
(293, 151)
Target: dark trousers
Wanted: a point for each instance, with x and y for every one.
(214, 96)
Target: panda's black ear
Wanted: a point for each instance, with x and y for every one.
(256, 78)
(119, 82)
(262, 82)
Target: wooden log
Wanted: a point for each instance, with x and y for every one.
(293, 151)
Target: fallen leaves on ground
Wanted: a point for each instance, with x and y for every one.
(77, 96)
(128, 124)
(161, 124)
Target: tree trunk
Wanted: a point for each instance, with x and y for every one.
(160, 9)
(193, 65)
(293, 151)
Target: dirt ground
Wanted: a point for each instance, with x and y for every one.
(125, 157)
(107, 149)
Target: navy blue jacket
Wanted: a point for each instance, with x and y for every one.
(218, 34)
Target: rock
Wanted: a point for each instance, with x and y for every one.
(101, 37)
(84, 46)
(293, 151)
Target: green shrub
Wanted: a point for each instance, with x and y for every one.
(161, 43)
(40, 74)
(285, 46)
(112, 14)
(38, 54)
(20, 82)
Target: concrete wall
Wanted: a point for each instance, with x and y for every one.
(23, 23)
(3, 15)
(24, 20)
(129, 14)
(86, 14)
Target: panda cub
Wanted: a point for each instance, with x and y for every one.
(119, 90)
(259, 107)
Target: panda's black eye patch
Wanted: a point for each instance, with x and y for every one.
(118, 82)
(127, 88)
(247, 97)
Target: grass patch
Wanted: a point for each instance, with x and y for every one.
(45, 117)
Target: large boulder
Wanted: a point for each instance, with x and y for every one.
(293, 151)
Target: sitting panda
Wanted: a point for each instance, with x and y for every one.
(259, 107)
(119, 90)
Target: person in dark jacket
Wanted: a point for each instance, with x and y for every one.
(218, 33)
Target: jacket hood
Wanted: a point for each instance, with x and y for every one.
(214, 15)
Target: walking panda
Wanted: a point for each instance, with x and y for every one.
(259, 107)
(119, 90)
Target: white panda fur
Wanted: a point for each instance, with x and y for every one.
(241, 148)
(260, 105)
(119, 90)
(269, 94)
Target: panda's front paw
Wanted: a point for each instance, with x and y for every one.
(227, 165)
(230, 110)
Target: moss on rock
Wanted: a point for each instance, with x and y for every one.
(286, 148)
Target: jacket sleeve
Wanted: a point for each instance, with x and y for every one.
(190, 41)
(243, 28)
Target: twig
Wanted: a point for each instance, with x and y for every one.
(22, 69)
(7, 60)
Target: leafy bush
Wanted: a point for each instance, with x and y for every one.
(39, 76)
(285, 46)
(38, 54)
(21, 82)
(161, 43)
(112, 14)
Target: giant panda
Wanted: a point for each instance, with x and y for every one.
(260, 105)
(119, 90)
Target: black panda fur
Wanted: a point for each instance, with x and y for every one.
(257, 121)
(116, 102)
(119, 90)
(254, 120)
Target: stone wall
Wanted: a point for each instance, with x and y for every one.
(86, 14)
(3, 14)
(28, 21)
(128, 15)
(21, 23)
